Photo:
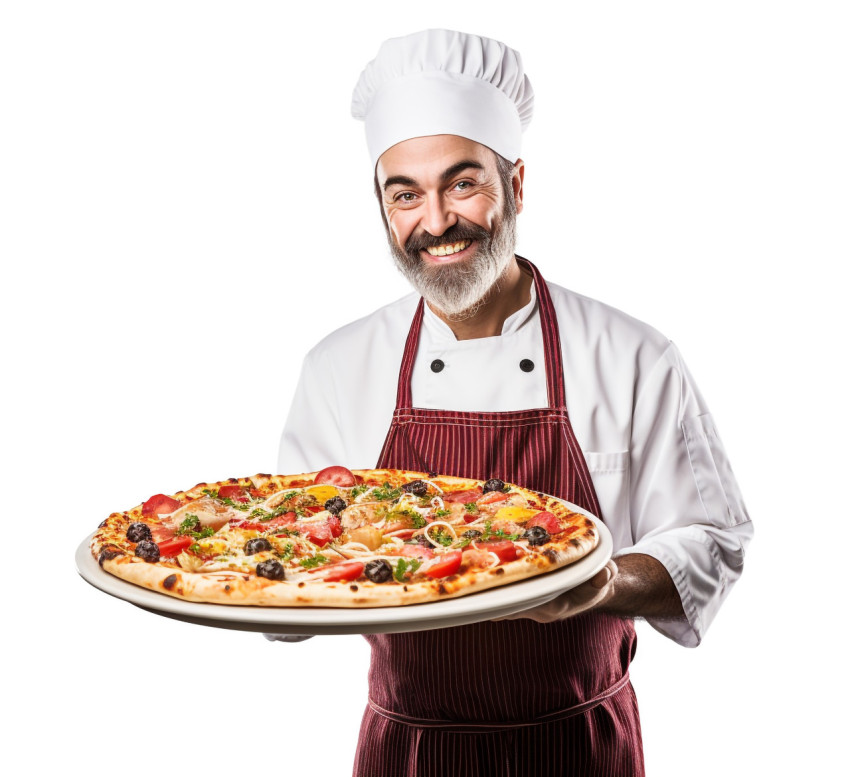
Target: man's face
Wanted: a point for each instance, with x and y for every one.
(450, 209)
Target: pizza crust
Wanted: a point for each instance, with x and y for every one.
(248, 589)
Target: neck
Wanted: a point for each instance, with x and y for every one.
(511, 292)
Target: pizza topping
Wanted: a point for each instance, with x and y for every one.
(494, 484)
(147, 550)
(138, 531)
(547, 521)
(440, 538)
(271, 569)
(445, 565)
(536, 535)
(336, 476)
(335, 505)
(257, 545)
(416, 487)
(347, 570)
(160, 504)
(404, 568)
(471, 534)
(379, 571)
(236, 493)
(369, 536)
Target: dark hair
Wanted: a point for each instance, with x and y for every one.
(504, 167)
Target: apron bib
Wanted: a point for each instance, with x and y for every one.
(509, 697)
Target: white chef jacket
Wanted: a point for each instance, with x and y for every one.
(663, 480)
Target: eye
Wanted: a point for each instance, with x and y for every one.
(404, 197)
(463, 185)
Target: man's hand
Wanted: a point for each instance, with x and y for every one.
(636, 586)
(581, 598)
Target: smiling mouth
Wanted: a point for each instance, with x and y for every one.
(449, 248)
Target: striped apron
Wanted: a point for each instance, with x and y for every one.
(500, 698)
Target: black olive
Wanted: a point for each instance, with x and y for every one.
(494, 484)
(335, 505)
(257, 545)
(148, 551)
(536, 535)
(472, 534)
(379, 570)
(419, 539)
(138, 531)
(416, 487)
(271, 569)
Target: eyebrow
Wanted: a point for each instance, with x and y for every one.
(451, 172)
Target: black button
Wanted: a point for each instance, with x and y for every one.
(437, 365)
(526, 365)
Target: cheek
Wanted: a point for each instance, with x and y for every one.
(399, 226)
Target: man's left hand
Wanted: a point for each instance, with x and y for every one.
(583, 597)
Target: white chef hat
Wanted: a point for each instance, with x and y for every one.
(442, 82)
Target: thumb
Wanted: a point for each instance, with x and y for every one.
(604, 575)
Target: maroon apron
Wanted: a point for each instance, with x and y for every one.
(501, 698)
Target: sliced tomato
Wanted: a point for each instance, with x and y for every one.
(491, 497)
(417, 551)
(313, 509)
(160, 504)
(347, 570)
(336, 476)
(319, 533)
(463, 496)
(175, 546)
(504, 549)
(448, 564)
(547, 520)
(236, 493)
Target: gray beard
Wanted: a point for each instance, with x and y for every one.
(458, 290)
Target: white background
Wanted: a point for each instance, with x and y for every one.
(186, 207)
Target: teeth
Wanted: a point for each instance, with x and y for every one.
(447, 250)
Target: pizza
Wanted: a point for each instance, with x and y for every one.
(340, 538)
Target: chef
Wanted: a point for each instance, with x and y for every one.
(488, 370)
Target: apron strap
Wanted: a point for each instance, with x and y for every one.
(551, 346)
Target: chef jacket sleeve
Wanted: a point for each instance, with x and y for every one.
(685, 506)
(312, 438)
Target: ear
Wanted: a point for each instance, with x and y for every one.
(517, 181)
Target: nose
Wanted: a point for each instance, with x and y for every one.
(437, 216)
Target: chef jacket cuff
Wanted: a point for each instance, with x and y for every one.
(704, 562)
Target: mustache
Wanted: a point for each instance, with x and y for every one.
(454, 234)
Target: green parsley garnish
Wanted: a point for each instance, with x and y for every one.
(263, 515)
(357, 490)
(313, 561)
(442, 513)
(470, 507)
(286, 553)
(386, 492)
(405, 568)
(444, 538)
(213, 492)
(190, 527)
